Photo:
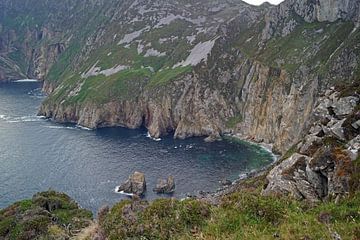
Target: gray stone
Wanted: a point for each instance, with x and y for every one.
(337, 130)
(282, 177)
(165, 186)
(310, 141)
(345, 106)
(317, 180)
(354, 148)
(135, 184)
(356, 124)
(225, 182)
(315, 130)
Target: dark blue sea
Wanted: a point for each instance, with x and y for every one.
(37, 154)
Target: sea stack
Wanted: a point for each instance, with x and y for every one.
(136, 184)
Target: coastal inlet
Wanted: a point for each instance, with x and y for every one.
(36, 154)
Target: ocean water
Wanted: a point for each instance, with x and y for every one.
(37, 154)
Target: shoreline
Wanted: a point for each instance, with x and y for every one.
(213, 197)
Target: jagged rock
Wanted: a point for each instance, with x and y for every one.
(222, 90)
(353, 149)
(337, 130)
(310, 145)
(326, 173)
(213, 138)
(316, 130)
(226, 182)
(322, 109)
(356, 124)
(318, 181)
(281, 179)
(344, 106)
(165, 186)
(136, 184)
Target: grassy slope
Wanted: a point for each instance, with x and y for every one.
(145, 72)
(310, 44)
(242, 215)
(45, 216)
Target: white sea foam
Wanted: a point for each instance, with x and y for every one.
(122, 192)
(61, 127)
(76, 127)
(155, 139)
(83, 128)
(26, 80)
(24, 119)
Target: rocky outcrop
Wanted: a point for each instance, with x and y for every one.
(248, 90)
(42, 217)
(322, 166)
(279, 21)
(258, 74)
(136, 184)
(165, 185)
(34, 34)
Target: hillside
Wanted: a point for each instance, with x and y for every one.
(201, 69)
(286, 75)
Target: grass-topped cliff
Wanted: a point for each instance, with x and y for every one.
(244, 214)
(196, 69)
(287, 75)
(241, 215)
(48, 215)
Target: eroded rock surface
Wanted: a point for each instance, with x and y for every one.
(165, 185)
(322, 164)
(135, 184)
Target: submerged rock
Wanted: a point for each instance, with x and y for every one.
(135, 184)
(225, 182)
(165, 186)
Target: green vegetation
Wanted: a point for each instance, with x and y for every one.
(19, 58)
(355, 177)
(126, 84)
(162, 219)
(63, 63)
(289, 153)
(233, 121)
(311, 44)
(164, 76)
(48, 215)
(242, 215)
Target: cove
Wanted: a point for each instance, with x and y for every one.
(37, 154)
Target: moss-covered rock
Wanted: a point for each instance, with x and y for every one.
(48, 215)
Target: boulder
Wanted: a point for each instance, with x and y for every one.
(316, 130)
(165, 186)
(356, 124)
(225, 182)
(310, 145)
(354, 148)
(345, 106)
(135, 184)
(281, 178)
(337, 130)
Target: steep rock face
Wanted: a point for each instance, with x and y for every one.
(33, 34)
(327, 10)
(279, 19)
(275, 113)
(195, 69)
(322, 165)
